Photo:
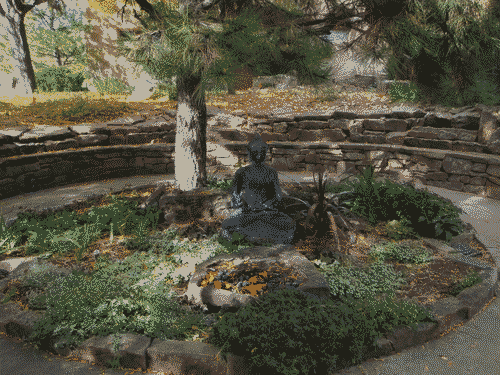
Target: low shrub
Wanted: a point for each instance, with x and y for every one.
(58, 79)
(429, 214)
(399, 92)
(285, 332)
(346, 281)
(112, 86)
(326, 94)
(400, 229)
(66, 231)
(470, 280)
(400, 252)
(81, 306)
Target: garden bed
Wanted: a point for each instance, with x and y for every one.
(425, 283)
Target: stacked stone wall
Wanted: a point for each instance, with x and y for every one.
(455, 151)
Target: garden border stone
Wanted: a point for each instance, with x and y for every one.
(179, 356)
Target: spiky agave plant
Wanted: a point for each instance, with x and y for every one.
(319, 210)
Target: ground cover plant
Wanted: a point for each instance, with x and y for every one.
(114, 301)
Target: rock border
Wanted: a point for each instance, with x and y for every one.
(138, 351)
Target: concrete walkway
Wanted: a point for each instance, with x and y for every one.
(470, 349)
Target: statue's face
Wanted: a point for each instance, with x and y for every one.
(258, 154)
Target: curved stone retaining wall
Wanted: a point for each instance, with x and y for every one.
(455, 151)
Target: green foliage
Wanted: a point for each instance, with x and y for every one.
(374, 317)
(66, 231)
(359, 283)
(112, 86)
(326, 94)
(429, 215)
(81, 306)
(468, 46)
(285, 332)
(403, 93)
(165, 89)
(215, 183)
(237, 242)
(483, 91)
(402, 252)
(471, 280)
(211, 52)
(399, 229)
(58, 79)
(368, 201)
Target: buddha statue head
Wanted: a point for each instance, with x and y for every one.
(257, 150)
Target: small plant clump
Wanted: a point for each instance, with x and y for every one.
(470, 280)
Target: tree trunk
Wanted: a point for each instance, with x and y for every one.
(191, 135)
(16, 33)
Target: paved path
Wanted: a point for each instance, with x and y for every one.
(473, 348)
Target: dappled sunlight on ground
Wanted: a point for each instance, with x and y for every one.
(102, 108)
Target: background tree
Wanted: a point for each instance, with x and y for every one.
(445, 47)
(375, 12)
(62, 43)
(13, 14)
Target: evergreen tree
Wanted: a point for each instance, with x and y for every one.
(444, 47)
(198, 51)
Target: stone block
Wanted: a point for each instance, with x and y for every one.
(456, 166)
(462, 146)
(344, 167)
(465, 179)
(423, 132)
(447, 135)
(141, 138)
(191, 357)
(468, 121)
(493, 170)
(479, 181)
(355, 126)
(476, 297)
(265, 128)
(396, 138)
(314, 125)
(375, 137)
(439, 176)
(475, 189)
(280, 127)
(339, 124)
(283, 164)
(168, 138)
(434, 165)
(395, 125)
(449, 312)
(478, 167)
(488, 123)
(329, 135)
(91, 139)
(353, 156)
(371, 124)
(467, 135)
(494, 147)
(492, 187)
(450, 185)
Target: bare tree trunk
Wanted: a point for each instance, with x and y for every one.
(191, 135)
(16, 33)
